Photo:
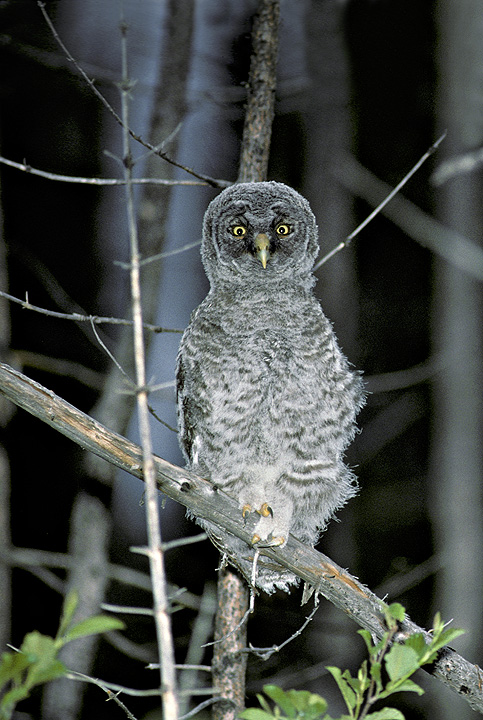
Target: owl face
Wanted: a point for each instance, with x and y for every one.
(262, 230)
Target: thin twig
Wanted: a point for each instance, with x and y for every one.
(156, 554)
(77, 317)
(201, 706)
(381, 205)
(233, 630)
(110, 109)
(127, 609)
(443, 241)
(111, 356)
(25, 167)
(266, 653)
(181, 542)
(32, 560)
(103, 686)
(201, 630)
(169, 253)
(132, 692)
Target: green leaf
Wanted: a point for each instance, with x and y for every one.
(41, 651)
(70, 606)
(282, 699)
(438, 624)
(386, 713)
(401, 661)
(410, 686)
(396, 611)
(445, 638)
(264, 704)
(362, 677)
(92, 626)
(255, 714)
(346, 691)
(417, 643)
(12, 666)
(317, 706)
(309, 705)
(400, 686)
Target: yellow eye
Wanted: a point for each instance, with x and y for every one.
(239, 231)
(282, 229)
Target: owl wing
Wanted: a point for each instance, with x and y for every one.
(193, 404)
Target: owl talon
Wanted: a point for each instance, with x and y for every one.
(246, 510)
(255, 539)
(265, 510)
(277, 542)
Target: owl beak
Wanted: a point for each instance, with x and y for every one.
(262, 247)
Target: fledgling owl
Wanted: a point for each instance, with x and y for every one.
(266, 401)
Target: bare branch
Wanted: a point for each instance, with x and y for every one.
(200, 707)
(383, 203)
(77, 317)
(450, 168)
(31, 559)
(110, 109)
(266, 653)
(25, 167)
(58, 366)
(206, 501)
(454, 247)
(156, 552)
(202, 629)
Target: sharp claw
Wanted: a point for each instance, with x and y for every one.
(265, 510)
(255, 539)
(246, 510)
(276, 542)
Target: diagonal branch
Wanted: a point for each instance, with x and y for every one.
(206, 501)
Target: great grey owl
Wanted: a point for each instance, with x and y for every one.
(266, 400)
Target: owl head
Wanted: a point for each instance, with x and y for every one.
(264, 230)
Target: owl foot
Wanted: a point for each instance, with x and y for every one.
(274, 542)
(271, 519)
(265, 510)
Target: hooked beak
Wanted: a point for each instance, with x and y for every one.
(262, 247)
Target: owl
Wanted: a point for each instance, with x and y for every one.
(266, 400)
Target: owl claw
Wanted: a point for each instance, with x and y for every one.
(265, 510)
(277, 542)
(246, 510)
(274, 542)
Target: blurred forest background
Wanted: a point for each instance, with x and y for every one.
(364, 89)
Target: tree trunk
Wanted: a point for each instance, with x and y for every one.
(457, 462)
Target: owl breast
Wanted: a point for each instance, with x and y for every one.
(285, 402)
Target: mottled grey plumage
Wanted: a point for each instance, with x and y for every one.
(266, 401)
